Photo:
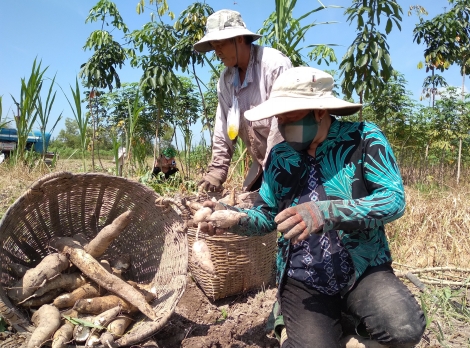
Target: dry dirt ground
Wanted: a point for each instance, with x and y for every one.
(240, 322)
(234, 322)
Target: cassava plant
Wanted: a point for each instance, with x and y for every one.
(367, 66)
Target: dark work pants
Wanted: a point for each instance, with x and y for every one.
(379, 301)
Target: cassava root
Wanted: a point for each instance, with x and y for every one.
(49, 267)
(105, 237)
(93, 270)
(47, 321)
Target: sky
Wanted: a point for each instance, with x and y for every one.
(54, 32)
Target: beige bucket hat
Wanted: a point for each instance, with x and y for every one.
(302, 88)
(221, 25)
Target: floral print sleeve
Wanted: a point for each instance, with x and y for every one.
(363, 190)
(282, 166)
(385, 200)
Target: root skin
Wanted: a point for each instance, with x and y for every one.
(47, 321)
(105, 237)
(93, 270)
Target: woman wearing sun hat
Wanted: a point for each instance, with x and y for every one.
(329, 189)
(245, 83)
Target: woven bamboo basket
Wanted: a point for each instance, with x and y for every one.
(241, 263)
(63, 204)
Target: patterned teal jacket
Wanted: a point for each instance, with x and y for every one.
(363, 187)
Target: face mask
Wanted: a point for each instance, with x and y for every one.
(300, 134)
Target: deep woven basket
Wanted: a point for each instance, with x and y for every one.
(241, 263)
(63, 204)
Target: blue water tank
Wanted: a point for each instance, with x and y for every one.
(35, 139)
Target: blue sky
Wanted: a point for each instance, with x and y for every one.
(55, 32)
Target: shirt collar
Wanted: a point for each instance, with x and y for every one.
(249, 71)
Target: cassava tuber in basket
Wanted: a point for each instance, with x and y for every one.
(64, 205)
(240, 263)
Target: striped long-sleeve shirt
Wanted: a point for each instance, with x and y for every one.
(265, 65)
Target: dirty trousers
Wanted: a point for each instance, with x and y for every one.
(379, 302)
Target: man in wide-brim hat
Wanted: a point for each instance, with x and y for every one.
(245, 83)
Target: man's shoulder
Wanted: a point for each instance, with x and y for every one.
(270, 54)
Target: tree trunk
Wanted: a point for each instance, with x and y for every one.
(203, 105)
(463, 84)
(459, 160)
(441, 174)
(157, 144)
(360, 111)
(433, 94)
(93, 131)
(460, 140)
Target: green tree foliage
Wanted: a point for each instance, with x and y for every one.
(190, 28)
(211, 100)
(392, 110)
(367, 65)
(451, 120)
(100, 70)
(162, 7)
(68, 137)
(447, 41)
(286, 33)
(159, 84)
(114, 116)
(187, 109)
(446, 36)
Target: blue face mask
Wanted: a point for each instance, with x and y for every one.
(300, 134)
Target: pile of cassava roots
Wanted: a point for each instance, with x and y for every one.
(76, 299)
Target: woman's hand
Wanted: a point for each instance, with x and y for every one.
(208, 227)
(220, 219)
(299, 222)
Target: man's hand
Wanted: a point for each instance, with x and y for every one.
(210, 183)
(299, 222)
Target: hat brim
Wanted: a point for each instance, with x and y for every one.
(280, 105)
(204, 45)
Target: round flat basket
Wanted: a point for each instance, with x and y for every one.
(65, 204)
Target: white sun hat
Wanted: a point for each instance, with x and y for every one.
(302, 88)
(221, 25)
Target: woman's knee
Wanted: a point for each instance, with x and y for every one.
(401, 330)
